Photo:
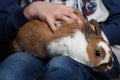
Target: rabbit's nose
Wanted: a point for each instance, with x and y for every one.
(106, 66)
(110, 63)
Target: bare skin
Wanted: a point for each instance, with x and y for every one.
(49, 13)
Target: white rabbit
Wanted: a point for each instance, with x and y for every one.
(81, 40)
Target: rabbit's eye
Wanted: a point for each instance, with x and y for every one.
(98, 53)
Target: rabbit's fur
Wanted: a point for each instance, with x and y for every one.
(81, 40)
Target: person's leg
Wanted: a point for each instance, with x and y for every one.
(21, 66)
(65, 68)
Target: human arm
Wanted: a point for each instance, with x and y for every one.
(111, 27)
(11, 19)
(50, 12)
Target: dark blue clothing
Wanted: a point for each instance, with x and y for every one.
(11, 19)
(21, 66)
(112, 25)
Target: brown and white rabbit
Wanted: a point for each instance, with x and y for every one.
(81, 40)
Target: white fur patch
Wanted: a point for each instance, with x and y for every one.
(75, 47)
(107, 55)
(104, 37)
(92, 27)
(58, 24)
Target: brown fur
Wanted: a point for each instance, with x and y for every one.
(35, 35)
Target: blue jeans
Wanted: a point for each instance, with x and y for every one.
(21, 66)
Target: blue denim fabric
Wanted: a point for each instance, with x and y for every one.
(65, 68)
(21, 66)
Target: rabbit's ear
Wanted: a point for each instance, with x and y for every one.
(96, 27)
(92, 29)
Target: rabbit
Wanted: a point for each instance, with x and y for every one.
(81, 40)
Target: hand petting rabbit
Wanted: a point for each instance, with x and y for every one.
(81, 40)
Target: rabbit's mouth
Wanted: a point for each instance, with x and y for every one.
(105, 66)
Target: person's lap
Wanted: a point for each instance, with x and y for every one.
(65, 68)
(21, 66)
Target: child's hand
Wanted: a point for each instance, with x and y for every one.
(49, 13)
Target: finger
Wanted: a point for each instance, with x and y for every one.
(51, 24)
(71, 15)
(64, 18)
